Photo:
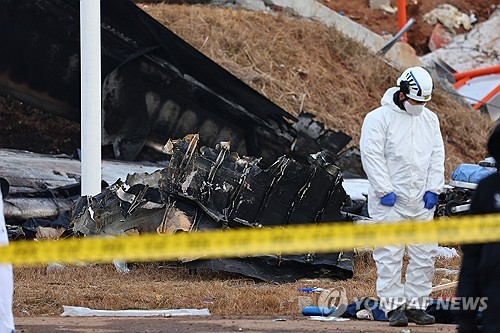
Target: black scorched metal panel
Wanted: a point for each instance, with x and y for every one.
(155, 85)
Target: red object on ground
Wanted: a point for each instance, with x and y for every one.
(402, 18)
(439, 37)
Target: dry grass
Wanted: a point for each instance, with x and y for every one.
(304, 66)
(169, 286)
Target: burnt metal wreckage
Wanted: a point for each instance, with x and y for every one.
(198, 188)
(284, 169)
(212, 188)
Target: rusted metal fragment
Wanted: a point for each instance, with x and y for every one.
(48, 233)
(175, 220)
(21, 209)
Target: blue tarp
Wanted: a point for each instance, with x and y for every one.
(471, 173)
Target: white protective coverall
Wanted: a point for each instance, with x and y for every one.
(403, 154)
(6, 282)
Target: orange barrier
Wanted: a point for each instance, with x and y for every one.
(402, 18)
(477, 72)
(487, 97)
(461, 82)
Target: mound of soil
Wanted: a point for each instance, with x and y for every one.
(418, 36)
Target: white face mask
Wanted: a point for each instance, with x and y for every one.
(414, 110)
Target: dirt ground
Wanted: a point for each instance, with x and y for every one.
(212, 324)
(418, 35)
(235, 302)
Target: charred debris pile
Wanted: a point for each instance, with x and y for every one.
(206, 188)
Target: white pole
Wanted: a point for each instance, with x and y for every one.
(90, 55)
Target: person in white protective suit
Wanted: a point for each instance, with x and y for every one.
(402, 153)
(6, 282)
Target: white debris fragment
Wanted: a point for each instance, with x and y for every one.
(389, 9)
(364, 314)
(54, 266)
(121, 266)
(356, 188)
(77, 311)
(447, 271)
(450, 17)
(377, 4)
(321, 318)
(188, 181)
(447, 252)
(475, 49)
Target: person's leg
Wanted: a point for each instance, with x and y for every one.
(418, 284)
(489, 284)
(6, 291)
(389, 261)
(420, 273)
(490, 322)
(6, 282)
(468, 287)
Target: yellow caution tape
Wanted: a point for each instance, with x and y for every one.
(324, 237)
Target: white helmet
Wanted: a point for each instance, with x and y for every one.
(416, 83)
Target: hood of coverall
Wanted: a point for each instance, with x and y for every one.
(388, 99)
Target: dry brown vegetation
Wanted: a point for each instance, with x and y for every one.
(170, 286)
(301, 66)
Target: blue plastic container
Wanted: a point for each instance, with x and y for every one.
(317, 311)
(307, 290)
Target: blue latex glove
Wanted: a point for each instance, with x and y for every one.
(388, 199)
(430, 199)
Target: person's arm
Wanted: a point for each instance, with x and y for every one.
(435, 175)
(372, 147)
